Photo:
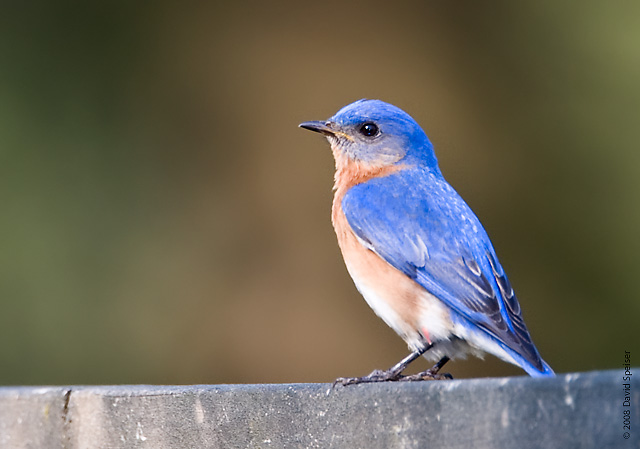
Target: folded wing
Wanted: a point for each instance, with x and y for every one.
(432, 236)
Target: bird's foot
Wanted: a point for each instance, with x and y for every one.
(376, 376)
(432, 373)
(394, 374)
(425, 375)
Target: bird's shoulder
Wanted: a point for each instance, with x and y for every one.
(413, 203)
(418, 223)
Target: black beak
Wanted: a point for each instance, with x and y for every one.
(319, 127)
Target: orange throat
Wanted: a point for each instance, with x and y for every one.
(350, 173)
(392, 295)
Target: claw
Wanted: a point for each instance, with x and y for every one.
(376, 376)
(426, 375)
(395, 373)
(432, 373)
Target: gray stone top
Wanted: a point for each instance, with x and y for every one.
(583, 410)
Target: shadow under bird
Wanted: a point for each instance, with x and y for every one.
(415, 250)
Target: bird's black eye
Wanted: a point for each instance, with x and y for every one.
(369, 129)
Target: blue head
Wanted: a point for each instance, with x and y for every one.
(378, 133)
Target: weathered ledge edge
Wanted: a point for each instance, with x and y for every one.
(572, 410)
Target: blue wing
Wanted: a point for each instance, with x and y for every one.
(416, 222)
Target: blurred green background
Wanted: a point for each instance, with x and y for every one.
(165, 221)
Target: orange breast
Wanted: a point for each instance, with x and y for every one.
(396, 298)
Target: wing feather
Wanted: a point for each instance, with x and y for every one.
(432, 236)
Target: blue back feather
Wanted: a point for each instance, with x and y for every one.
(418, 223)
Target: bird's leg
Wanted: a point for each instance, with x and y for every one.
(392, 374)
(432, 373)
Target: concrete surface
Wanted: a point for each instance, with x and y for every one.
(582, 410)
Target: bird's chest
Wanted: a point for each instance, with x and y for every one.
(393, 296)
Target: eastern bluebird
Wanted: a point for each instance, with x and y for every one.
(415, 250)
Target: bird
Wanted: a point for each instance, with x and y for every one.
(415, 250)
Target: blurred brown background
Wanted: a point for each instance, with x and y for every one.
(165, 221)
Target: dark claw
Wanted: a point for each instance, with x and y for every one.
(426, 375)
(394, 374)
(375, 376)
(432, 373)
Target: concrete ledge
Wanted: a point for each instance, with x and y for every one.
(575, 410)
